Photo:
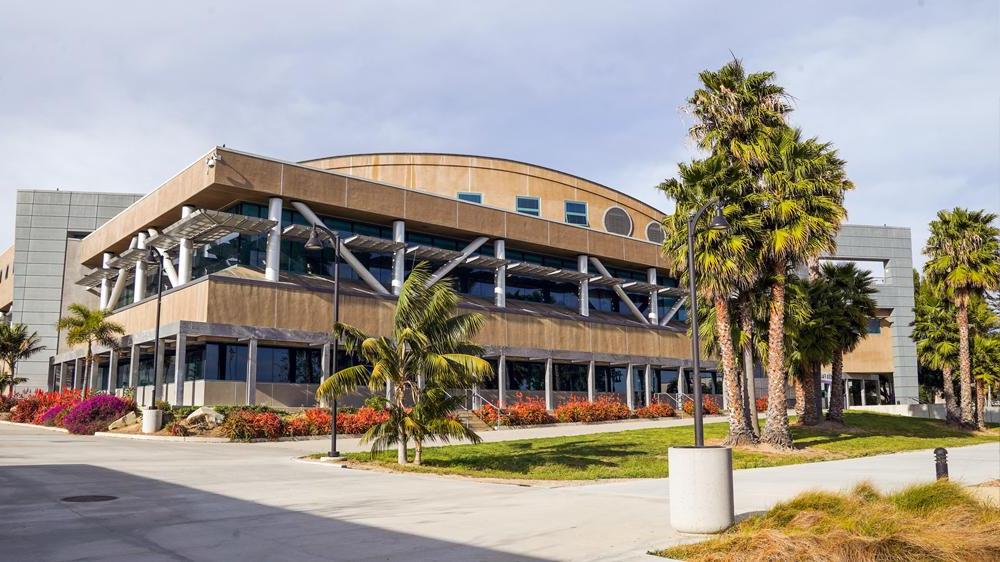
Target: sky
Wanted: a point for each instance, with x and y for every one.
(116, 96)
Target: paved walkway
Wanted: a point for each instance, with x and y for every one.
(247, 502)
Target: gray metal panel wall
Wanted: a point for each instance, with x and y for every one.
(891, 245)
(43, 223)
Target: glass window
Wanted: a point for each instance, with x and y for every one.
(569, 378)
(576, 213)
(528, 205)
(874, 326)
(610, 379)
(470, 197)
(522, 375)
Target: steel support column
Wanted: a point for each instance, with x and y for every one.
(619, 291)
(251, 397)
(500, 277)
(105, 283)
(180, 368)
(272, 265)
(399, 256)
(185, 252)
(549, 390)
(452, 264)
(630, 387)
(654, 306)
(582, 267)
(591, 381)
(140, 271)
(648, 384)
(502, 381)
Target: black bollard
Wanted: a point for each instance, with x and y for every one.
(941, 463)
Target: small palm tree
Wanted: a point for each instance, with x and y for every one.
(853, 306)
(16, 344)
(964, 258)
(87, 326)
(935, 333)
(428, 352)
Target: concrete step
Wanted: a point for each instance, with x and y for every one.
(473, 421)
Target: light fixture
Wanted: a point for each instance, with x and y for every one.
(719, 221)
(314, 242)
(212, 160)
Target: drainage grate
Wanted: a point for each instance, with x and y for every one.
(88, 499)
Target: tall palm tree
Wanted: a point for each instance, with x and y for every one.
(810, 343)
(935, 333)
(724, 262)
(801, 206)
(985, 327)
(16, 344)
(428, 352)
(853, 304)
(964, 258)
(89, 326)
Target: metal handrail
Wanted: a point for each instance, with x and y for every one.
(474, 394)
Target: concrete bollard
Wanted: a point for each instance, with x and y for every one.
(701, 489)
(941, 463)
(151, 420)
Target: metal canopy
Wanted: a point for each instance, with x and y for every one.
(95, 277)
(432, 253)
(163, 242)
(127, 259)
(353, 241)
(205, 226)
(486, 262)
(545, 272)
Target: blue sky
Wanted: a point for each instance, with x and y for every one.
(118, 97)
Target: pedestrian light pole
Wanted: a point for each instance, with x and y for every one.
(315, 243)
(718, 222)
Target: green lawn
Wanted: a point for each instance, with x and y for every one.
(643, 453)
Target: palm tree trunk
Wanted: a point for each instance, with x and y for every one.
(836, 411)
(739, 432)
(952, 413)
(418, 451)
(776, 431)
(800, 397)
(980, 405)
(746, 326)
(965, 364)
(805, 397)
(401, 427)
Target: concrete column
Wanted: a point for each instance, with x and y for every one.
(180, 368)
(630, 388)
(112, 370)
(864, 397)
(251, 378)
(591, 381)
(77, 375)
(648, 380)
(582, 266)
(140, 271)
(272, 265)
(105, 283)
(133, 366)
(549, 386)
(681, 388)
(654, 306)
(500, 278)
(185, 253)
(399, 257)
(158, 364)
(502, 381)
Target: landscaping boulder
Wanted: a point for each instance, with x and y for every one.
(124, 421)
(204, 417)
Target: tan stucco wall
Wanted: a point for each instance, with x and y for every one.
(7, 278)
(873, 354)
(500, 182)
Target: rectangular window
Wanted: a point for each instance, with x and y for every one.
(874, 326)
(528, 205)
(576, 213)
(470, 197)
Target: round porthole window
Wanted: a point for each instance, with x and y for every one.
(654, 233)
(617, 221)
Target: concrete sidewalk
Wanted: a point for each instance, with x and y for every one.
(182, 501)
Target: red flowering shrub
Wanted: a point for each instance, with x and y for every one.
(244, 425)
(708, 405)
(95, 413)
(604, 408)
(299, 426)
(359, 422)
(656, 410)
(526, 411)
(761, 404)
(29, 408)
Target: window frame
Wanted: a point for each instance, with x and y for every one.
(585, 214)
(478, 194)
(536, 212)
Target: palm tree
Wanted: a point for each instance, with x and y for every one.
(852, 291)
(964, 258)
(801, 205)
(16, 344)
(428, 352)
(935, 333)
(88, 326)
(985, 327)
(810, 342)
(724, 263)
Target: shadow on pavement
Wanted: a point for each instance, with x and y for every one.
(155, 520)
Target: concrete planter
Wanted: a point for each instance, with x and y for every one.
(152, 420)
(701, 489)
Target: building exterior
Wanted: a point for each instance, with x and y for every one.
(38, 272)
(578, 298)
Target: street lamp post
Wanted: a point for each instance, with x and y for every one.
(154, 257)
(316, 243)
(719, 222)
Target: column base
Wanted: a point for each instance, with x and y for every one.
(701, 489)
